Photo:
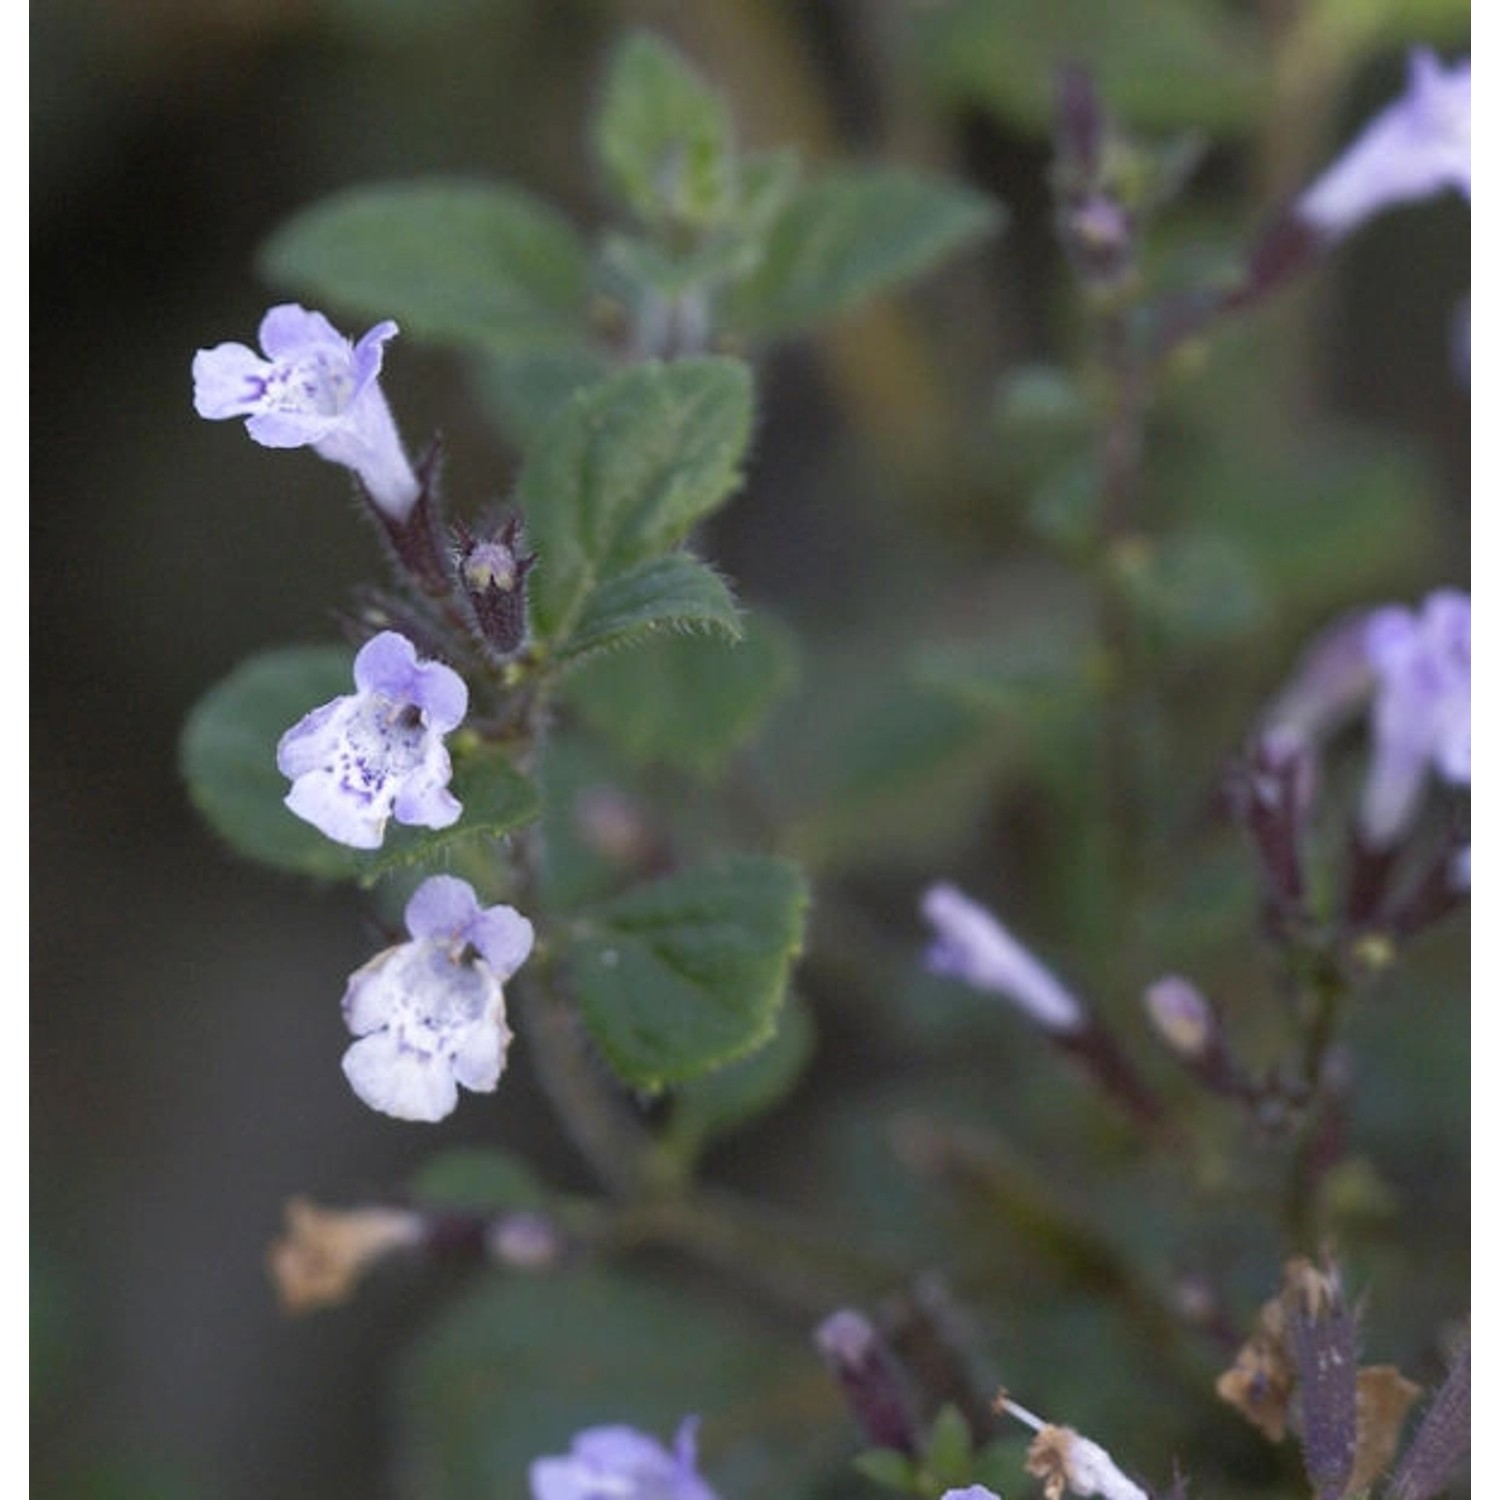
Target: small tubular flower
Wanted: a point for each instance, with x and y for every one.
(377, 753)
(313, 388)
(972, 946)
(1420, 718)
(1413, 149)
(430, 1013)
(620, 1463)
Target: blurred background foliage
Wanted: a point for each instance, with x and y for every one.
(915, 492)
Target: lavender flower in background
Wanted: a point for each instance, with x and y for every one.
(1413, 149)
(377, 753)
(620, 1463)
(1420, 717)
(971, 1492)
(972, 946)
(313, 389)
(1331, 683)
(430, 1014)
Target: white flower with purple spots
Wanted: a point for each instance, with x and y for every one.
(430, 1013)
(313, 389)
(619, 1463)
(1420, 718)
(1413, 149)
(377, 753)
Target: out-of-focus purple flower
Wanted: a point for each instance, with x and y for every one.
(619, 1463)
(430, 1013)
(313, 389)
(972, 946)
(1329, 686)
(1420, 716)
(1413, 149)
(378, 752)
(971, 1492)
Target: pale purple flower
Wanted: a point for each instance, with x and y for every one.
(430, 1013)
(377, 753)
(1420, 718)
(619, 1463)
(1329, 686)
(1413, 149)
(971, 1492)
(972, 946)
(313, 388)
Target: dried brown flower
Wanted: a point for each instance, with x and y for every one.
(320, 1258)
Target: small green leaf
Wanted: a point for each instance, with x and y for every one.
(689, 972)
(1196, 587)
(229, 757)
(851, 234)
(676, 591)
(889, 1468)
(229, 761)
(479, 1178)
(475, 264)
(687, 701)
(732, 1096)
(624, 470)
(664, 138)
(949, 1451)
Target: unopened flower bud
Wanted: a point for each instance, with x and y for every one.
(1182, 1017)
(324, 1253)
(525, 1241)
(493, 573)
(872, 1382)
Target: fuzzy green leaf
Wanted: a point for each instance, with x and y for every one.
(717, 1103)
(622, 473)
(664, 138)
(674, 591)
(851, 234)
(687, 701)
(689, 972)
(470, 263)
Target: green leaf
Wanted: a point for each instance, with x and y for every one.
(689, 972)
(479, 1178)
(719, 1102)
(229, 761)
(664, 138)
(622, 473)
(1197, 587)
(889, 1468)
(475, 264)
(523, 391)
(687, 701)
(676, 590)
(514, 1369)
(950, 1448)
(1161, 64)
(849, 235)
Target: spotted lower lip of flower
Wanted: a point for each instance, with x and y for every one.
(1413, 149)
(622, 1464)
(377, 753)
(430, 1013)
(313, 389)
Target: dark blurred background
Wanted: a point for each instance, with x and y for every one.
(185, 1022)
